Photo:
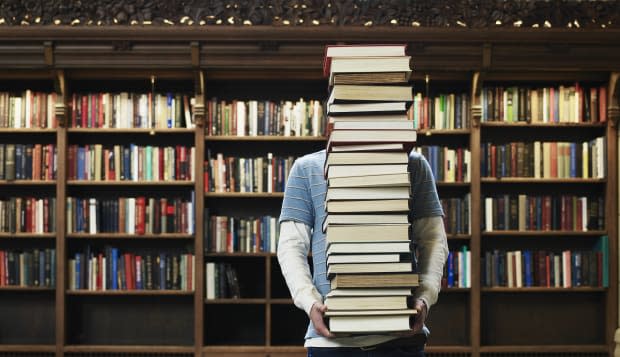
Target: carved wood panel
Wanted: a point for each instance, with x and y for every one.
(427, 13)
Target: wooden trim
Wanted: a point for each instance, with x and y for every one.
(127, 349)
(545, 349)
(96, 236)
(540, 289)
(128, 183)
(265, 138)
(129, 292)
(199, 209)
(532, 180)
(278, 195)
(586, 234)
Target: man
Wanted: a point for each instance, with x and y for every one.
(301, 219)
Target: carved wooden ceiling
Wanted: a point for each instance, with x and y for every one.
(399, 13)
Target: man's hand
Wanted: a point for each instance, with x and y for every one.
(316, 316)
(420, 307)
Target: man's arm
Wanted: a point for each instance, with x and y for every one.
(293, 247)
(432, 248)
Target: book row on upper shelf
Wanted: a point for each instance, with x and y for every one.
(131, 110)
(265, 117)
(561, 104)
(246, 174)
(543, 213)
(227, 234)
(32, 267)
(111, 268)
(131, 215)
(130, 162)
(545, 159)
(27, 110)
(542, 268)
(456, 214)
(447, 165)
(443, 111)
(28, 162)
(28, 215)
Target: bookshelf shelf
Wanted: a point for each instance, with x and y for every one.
(127, 349)
(22, 131)
(267, 138)
(277, 195)
(281, 301)
(30, 289)
(240, 301)
(129, 183)
(240, 254)
(540, 181)
(545, 349)
(543, 233)
(442, 184)
(575, 126)
(28, 348)
(20, 235)
(130, 293)
(140, 131)
(444, 132)
(458, 237)
(96, 236)
(543, 290)
(28, 183)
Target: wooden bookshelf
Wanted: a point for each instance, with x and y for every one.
(225, 62)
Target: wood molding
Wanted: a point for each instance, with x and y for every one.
(429, 13)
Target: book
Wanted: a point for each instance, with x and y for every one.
(376, 68)
(364, 219)
(367, 233)
(391, 107)
(387, 280)
(369, 247)
(368, 258)
(369, 147)
(369, 193)
(333, 171)
(399, 205)
(370, 292)
(355, 268)
(387, 180)
(365, 50)
(365, 158)
(343, 137)
(372, 321)
(335, 303)
(346, 93)
(398, 124)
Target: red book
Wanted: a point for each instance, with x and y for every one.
(84, 111)
(140, 215)
(74, 110)
(29, 214)
(190, 272)
(513, 159)
(128, 274)
(548, 271)
(2, 282)
(162, 164)
(493, 172)
(46, 214)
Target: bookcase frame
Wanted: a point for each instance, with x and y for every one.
(219, 53)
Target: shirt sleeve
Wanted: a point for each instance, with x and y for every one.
(297, 203)
(432, 249)
(293, 248)
(425, 201)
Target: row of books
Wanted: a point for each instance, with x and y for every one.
(562, 269)
(28, 215)
(28, 109)
(447, 164)
(28, 161)
(543, 213)
(221, 281)
(113, 269)
(443, 111)
(562, 104)
(131, 215)
(241, 234)
(130, 162)
(246, 174)
(28, 267)
(457, 270)
(265, 117)
(131, 110)
(545, 159)
(456, 214)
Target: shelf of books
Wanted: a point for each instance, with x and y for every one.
(544, 226)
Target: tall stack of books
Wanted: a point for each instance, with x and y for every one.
(369, 254)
